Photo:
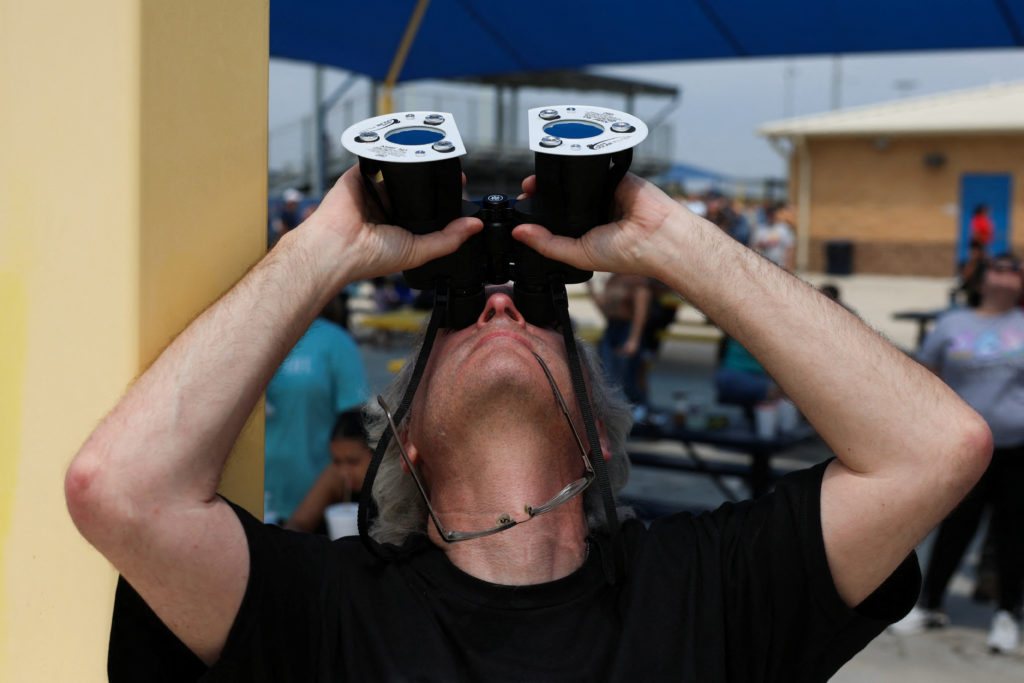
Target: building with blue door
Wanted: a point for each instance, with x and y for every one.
(891, 188)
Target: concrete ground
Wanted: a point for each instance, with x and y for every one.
(956, 653)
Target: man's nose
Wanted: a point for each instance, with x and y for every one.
(500, 306)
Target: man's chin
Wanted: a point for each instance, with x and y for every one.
(509, 382)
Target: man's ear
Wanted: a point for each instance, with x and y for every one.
(412, 452)
(606, 444)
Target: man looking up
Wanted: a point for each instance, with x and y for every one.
(785, 588)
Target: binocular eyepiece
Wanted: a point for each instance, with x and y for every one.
(581, 154)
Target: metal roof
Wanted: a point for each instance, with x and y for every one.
(991, 109)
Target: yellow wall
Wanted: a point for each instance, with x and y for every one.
(132, 192)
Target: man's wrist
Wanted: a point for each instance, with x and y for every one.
(683, 236)
(324, 253)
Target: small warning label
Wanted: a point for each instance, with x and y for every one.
(388, 151)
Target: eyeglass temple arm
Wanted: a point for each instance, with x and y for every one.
(565, 410)
(412, 469)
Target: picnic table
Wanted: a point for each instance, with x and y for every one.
(757, 472)
(923, 318)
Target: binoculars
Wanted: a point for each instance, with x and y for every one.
(581, 154)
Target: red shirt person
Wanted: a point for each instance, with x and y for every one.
(982, 228)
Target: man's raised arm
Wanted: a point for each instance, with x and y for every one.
(908, 448)
(142, 489)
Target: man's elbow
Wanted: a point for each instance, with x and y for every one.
(89, 497)
(972, 448)
(81, 490)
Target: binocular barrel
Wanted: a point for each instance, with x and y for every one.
(410, 166)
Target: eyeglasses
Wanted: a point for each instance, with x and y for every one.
(504, 521)
(1005, 267)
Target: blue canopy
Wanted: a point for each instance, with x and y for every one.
(472, 37)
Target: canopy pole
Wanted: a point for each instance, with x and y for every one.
(386, 103)
(803, 231)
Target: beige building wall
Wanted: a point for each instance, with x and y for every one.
(132, 193)
(902, 215)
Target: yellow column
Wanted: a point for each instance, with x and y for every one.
(132, 193)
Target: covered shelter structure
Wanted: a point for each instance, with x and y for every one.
(451, 38)
(890, 188)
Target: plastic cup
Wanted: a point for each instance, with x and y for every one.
(766, 420)
(342, 520)
(789, 416)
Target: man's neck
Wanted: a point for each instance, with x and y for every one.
(503, 476)
(545, 549)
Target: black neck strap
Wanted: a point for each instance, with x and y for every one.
(367, 505)
(614, 562)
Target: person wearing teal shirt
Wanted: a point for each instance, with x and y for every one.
(741, 379)
(321, 378)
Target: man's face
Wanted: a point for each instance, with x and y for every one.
(489, 366)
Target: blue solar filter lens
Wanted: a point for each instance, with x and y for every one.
(414, 136)
(573, 130)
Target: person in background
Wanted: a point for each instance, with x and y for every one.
(625, 302)
(972, 270)
(831, 290)
(722, 212)
(322, 377)
(342, 480)
(982, 228)
(660, 314)
(694, 203)
(979, 353)
(741, 379)
(287, 217)
(774, 239)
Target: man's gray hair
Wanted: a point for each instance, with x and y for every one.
(401, 511)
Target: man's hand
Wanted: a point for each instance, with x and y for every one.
(370, 246)
(634, 242)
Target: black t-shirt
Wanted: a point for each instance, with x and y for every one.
(739, 594)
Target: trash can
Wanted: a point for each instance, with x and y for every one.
(839, 257)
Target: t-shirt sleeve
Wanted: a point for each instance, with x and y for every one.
(273, 634)
(808, 606)
(779, 604)
(837, 631)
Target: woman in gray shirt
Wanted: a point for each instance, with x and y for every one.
(979, 353)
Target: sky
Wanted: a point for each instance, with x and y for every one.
(723, 101)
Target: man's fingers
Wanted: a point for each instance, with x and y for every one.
(564, 249)
(436, 244)
(529, 186)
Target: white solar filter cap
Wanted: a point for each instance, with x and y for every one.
(408, 136)
(580, 130)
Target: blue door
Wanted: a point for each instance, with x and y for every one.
(992, 190)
